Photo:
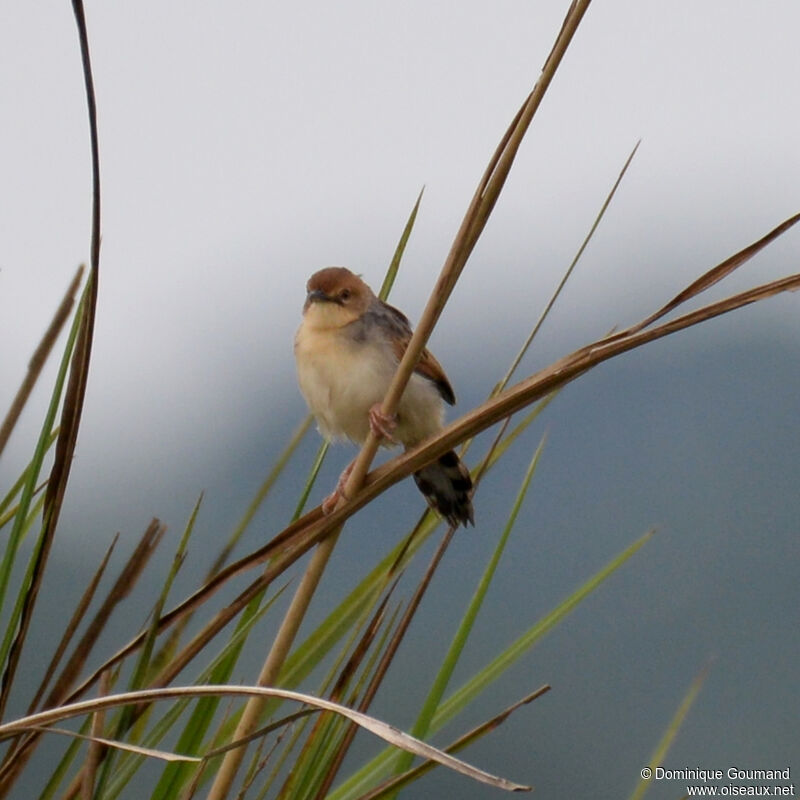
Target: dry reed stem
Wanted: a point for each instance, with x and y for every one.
(72, 625)
(268, 676)
(39, 358)
(473, 224)
(95, 749)
(399, 634)
(340, 687)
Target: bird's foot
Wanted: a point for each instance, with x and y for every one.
(329, 503)
(382, 425)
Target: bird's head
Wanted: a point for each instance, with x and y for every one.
(336, 297)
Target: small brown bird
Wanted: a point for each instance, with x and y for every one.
(347, 350)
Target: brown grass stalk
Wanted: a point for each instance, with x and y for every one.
(396, 782)
(72, 625)
(39, 358)
(95, 749)
(473, 224)
(76, 388)
(337, 693)
(399, 634)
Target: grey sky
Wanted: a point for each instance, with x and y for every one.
(245, 145)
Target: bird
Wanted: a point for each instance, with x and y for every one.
(347, 349)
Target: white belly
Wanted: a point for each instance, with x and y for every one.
(342, 379)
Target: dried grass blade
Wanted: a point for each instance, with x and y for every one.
(717, 273)
(567, 274)
(39, 358)
(72, 626)
(474, 221)
(399, 781)
(96, 750)
(17, 758)
(459, 640)
(296, 539)
(128, 577)
(381, 729)
(149, 752)
(387, 657)
(545, 381)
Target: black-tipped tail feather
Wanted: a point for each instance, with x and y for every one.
(447, 487)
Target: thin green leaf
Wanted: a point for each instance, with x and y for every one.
(551, 302)
(194, 731)
(7, 513)
(28, 489)
(263, 491)
(433, 700)
(391, 273)
(311, 480)
(660, 753)
(472, 688)
(365, 778)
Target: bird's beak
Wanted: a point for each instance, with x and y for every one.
(316, 296)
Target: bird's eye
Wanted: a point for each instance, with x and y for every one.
(344, 294)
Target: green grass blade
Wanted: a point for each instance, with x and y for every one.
(263, 491)
(472, 688)
(312, 478)
(445, 673)
(660, 753)
(64, 765)
(138, 680)
(551, 302)
(34, 469)
(7, 513)
(391, 273)
(145, 668)
(194, 732)
(379, 767)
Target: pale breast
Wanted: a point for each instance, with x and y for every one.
(341, 378)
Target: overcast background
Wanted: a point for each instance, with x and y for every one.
(245, 145)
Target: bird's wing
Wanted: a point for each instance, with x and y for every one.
(399, 334)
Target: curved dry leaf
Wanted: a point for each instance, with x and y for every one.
(163, 755)
(383, 730)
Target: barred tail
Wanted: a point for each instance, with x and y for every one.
(447, 487)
